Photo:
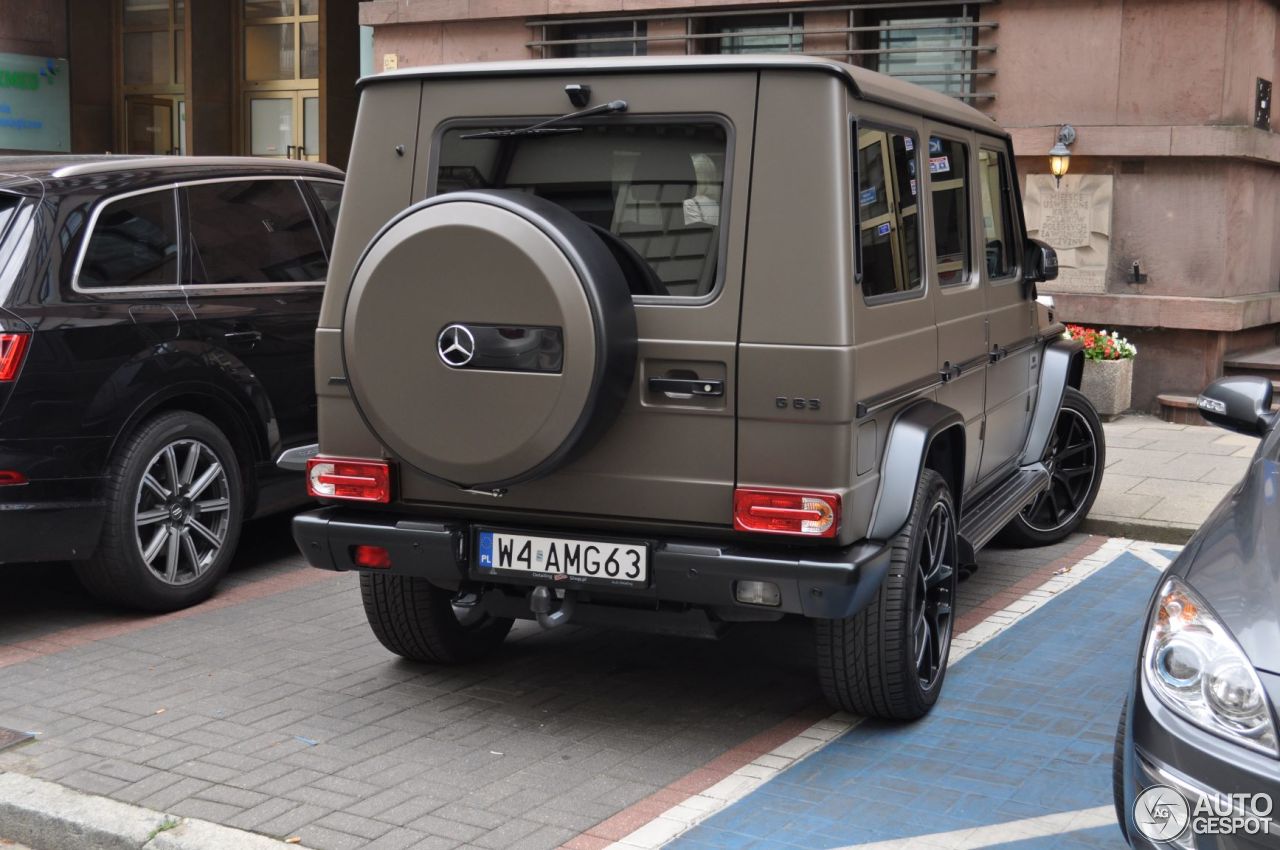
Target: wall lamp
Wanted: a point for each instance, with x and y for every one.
(1060, 154)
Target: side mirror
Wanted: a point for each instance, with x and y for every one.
(1239, 403)
(1041, 262)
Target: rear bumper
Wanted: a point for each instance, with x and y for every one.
(818, 583)
(49, 531)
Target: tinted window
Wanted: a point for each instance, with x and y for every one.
(330, 197)
(888, 212)
(134, 243)
(651, 191)
(998, 221)
(949, 183)
(252, 231)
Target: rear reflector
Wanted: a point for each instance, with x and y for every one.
(12, 348)
(786, 512)
(375, 557)
(353, 480)
(11, 476)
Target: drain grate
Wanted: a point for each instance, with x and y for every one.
(12, 737)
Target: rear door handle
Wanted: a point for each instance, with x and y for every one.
(243, 336)
(677, 387)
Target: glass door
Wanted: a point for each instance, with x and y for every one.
(149, 126)
(280, 77)
(283, 124)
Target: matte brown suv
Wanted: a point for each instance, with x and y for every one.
(676, 344)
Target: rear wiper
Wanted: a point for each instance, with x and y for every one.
(544, 128)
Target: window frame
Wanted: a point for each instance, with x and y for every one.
(91, 227)
(966, 186)
(915, 292)
(1012, 205)
(726, 184)
(183, 233)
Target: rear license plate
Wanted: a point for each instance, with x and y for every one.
(559, 557)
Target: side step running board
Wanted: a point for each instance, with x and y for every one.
(984, 519)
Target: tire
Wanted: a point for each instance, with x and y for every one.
(419, 621)
(189, 533)
(1117, 773)
(870, 663)
(1045, 520)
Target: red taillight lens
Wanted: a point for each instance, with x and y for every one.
(354, 480)
(376, 557)
(10, 476)
(786, 512)
(12, 349)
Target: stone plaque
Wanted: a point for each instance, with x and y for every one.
(1075, 218)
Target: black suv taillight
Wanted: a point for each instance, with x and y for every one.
(13, 346)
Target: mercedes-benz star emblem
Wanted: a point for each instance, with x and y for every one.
(456, 346)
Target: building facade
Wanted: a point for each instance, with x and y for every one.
(1166, 221)
(262, 77)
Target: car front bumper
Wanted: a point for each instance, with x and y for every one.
(819, 583)
(1161, 748)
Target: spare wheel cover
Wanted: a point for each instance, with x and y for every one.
(494, 270)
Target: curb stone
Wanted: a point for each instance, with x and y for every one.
(1177, 533)
(49, 816)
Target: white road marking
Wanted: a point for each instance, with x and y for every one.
(999, 833)
(695, 809)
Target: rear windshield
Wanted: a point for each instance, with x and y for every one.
(652, 191)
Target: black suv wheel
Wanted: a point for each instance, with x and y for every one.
(1075, 458)
(417, 620)
(174, 508)
(889, 660)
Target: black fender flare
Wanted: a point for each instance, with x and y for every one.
(912, 433)
(1061, 363)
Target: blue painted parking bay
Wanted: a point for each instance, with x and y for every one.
(1025, 729)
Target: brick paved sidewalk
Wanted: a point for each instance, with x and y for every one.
(1163, 480)
(273, 708)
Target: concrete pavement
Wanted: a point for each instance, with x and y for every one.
(1162, 480)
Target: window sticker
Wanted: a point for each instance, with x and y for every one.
(939, 164)
(935, 145)
(909, 143)
(868, 196)
(913, 187)
(883, 230)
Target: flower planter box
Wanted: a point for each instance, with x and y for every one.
(1108, 384)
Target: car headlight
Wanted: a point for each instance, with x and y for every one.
(1198, 670)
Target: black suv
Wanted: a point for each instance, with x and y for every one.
(157, 318)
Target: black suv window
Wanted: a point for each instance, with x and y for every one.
(998, 220)
(252, 231)
(949, 185)
(888, 212)
(656, 188)
(134, 242)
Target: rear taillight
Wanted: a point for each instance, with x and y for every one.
(11, 476)
(373, 557)
(797, 512)
(12, 348)
(345, 478)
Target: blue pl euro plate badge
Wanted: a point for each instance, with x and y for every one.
(485, 559)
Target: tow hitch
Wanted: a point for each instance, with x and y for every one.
(542, 602)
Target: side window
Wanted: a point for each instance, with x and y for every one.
(134, 242)
(949, 185)
(998, 222)
(888, 212)
(330, 197)
(252, 231)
